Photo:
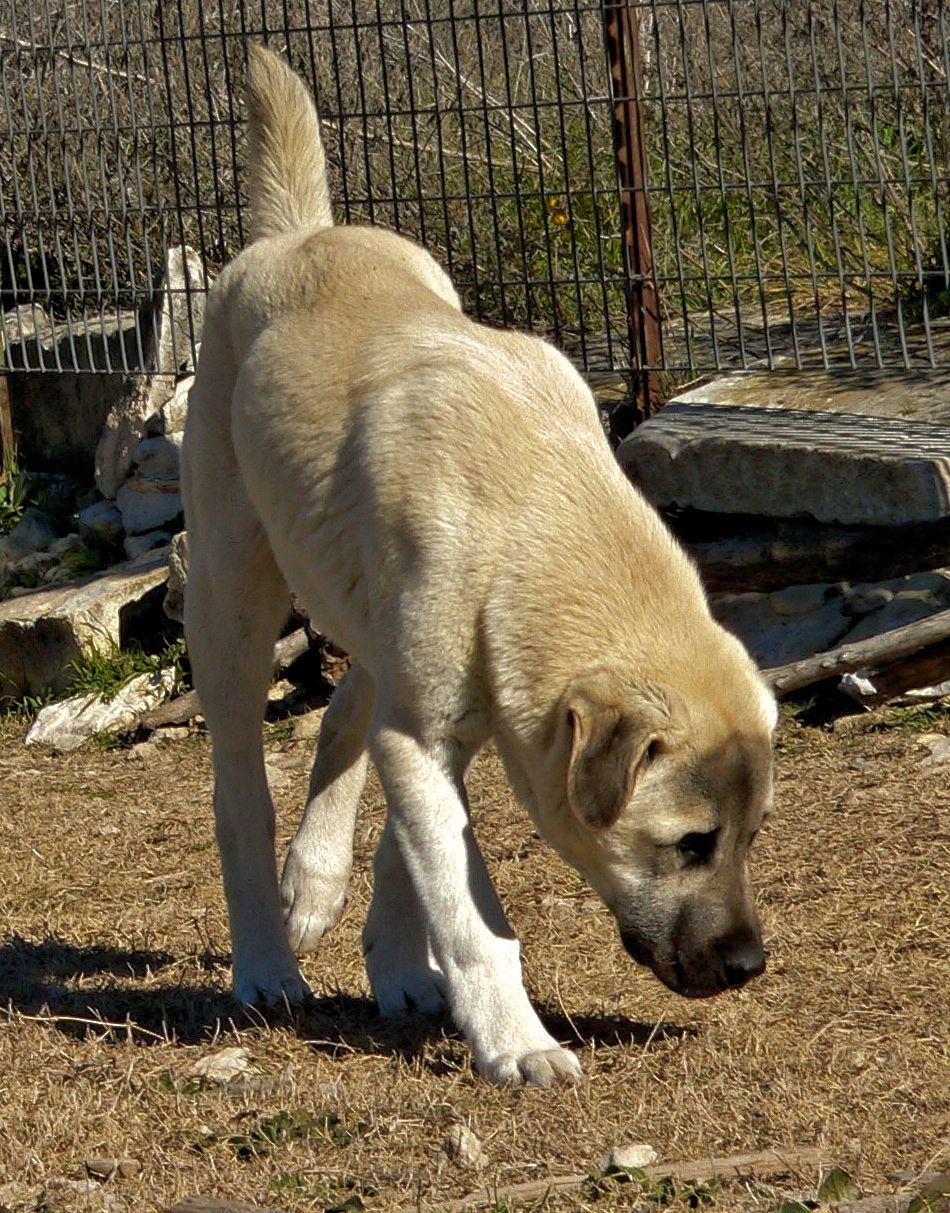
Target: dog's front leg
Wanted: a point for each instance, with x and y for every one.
(473, 945)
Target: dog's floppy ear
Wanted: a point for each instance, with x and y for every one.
(614, 735)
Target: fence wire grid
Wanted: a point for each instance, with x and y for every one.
(797, 156)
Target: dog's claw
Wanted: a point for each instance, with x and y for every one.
(542, 1068)
(272, 990)
(400, 991)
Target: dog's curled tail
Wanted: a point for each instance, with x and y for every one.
(287, 180)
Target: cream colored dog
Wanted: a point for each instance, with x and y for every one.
(441, 497)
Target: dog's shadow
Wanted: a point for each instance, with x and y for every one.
(84, 992)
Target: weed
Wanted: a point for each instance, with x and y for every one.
(281, 730)
(283, 1128)
(333, 1196)
(97, 554)
(14, 491)
(104, 674)
(26, 707)
(923, 718)
(106, 743)
(662, 1191)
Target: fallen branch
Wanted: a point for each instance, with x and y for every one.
(185, 707)
(768, 1162)
(886, 649)
(928, 668)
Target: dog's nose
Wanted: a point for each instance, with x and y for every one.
(743, 962)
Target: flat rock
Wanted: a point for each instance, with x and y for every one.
(833, 466)
(43, 631)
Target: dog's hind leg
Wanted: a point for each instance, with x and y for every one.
(317, 869)
(400, 965)
(235, 603)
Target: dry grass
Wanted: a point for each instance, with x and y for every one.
(113, 968)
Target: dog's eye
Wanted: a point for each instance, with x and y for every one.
(697, 848)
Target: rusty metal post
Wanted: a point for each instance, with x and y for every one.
(621, 25)
(7, 435)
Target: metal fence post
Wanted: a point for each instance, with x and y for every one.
(621, 26)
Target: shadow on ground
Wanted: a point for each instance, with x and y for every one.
(83, 992)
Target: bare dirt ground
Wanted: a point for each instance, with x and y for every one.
(113, 976)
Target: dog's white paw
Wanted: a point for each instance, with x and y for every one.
(313, 902)
(260, 987)
(539, 1068)
(400, 984)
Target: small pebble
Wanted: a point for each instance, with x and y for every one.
(631, 1156)
(464, 1148)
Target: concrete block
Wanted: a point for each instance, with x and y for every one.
(834, 467)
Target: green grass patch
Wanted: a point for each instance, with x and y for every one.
(105, 673)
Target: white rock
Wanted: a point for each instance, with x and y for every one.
(630, 1156)
(122, 432)
(223, 1066)
(781, 463)
(138, 545)
(917, 597)
(182, 295)
(939, 755)
(102, 521)
(66, 725)
(774, 639)
(170, 418)
(158, 458)
(174, 604)
(147, 505)
(798, 600)
(69, 545)
(464, 1148)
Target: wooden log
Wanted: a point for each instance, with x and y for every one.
(767, 1162)
(185, 707)
(928, 668)
(803, 555)
(876, 652)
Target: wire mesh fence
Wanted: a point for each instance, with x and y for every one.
(799, 165)
(797, 154)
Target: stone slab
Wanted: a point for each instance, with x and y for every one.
(832, 466)
(900, 393)
(44, 631)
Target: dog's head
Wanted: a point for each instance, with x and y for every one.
(663, 794)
